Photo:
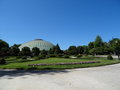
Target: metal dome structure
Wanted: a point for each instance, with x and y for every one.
(39, 43)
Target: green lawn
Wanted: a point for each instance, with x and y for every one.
(13, 63)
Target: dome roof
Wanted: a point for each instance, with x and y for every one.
(39, 43)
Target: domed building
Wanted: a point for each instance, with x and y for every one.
(39, 43)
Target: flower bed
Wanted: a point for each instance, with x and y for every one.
(71, 63)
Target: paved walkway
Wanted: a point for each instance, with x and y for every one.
(96, 78)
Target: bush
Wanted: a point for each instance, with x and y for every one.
(43, 56)
(59, 55)
(52, 55)
(79, 55)
(18, 57)
(24, 57)
(66, 56)
(109, 57)
(2, 61)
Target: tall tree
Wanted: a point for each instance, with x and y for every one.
(98, 42)
(57, 49)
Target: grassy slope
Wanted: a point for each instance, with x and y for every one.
(14, 63)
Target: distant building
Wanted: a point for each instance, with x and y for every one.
(39, 43)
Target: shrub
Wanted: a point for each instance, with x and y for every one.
(2, 61)
(52, 55)
(79, 55)
(24, 57)
(109, 57)
(18, 57)
(43, 56)
(59, 55)
(36, 58)
(47, 56)
(66, 56)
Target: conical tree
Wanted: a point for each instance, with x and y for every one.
(57, 49)
(98, 42)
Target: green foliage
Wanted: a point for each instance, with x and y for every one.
(4, 48)
(2, 61)
(52, 55)
(35, 51)
(55, 50)
(59, 55)
(91, 45)
(115, 45)
(86, 50)
(24, 58)
(97, 51)
(4, 51)
(14, 50)
(79, 55)
(66, 56)
(43, 52)
(72, 50)
(98, 42)
(43, 56)
(109, 57)
(3, 44)
(19, 57)
(25, 51)
(80, 49)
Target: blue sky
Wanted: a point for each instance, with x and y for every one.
(66, 22)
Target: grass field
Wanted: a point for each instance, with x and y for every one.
(13, 63)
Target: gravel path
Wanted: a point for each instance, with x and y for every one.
(96, 78)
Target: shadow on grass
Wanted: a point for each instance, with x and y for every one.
(16, 73)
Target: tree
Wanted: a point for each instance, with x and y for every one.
(4, 48)
(14, 50)
(55, 50)
(35, 51)
(3, 44)
(98, 42)
(25, 51)
(43, 52)
(72, 50)
(111, 44)
(91, 45)
(115, 45)
(80, 49)
(4, 51)
(97, 51)
(86, 50)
